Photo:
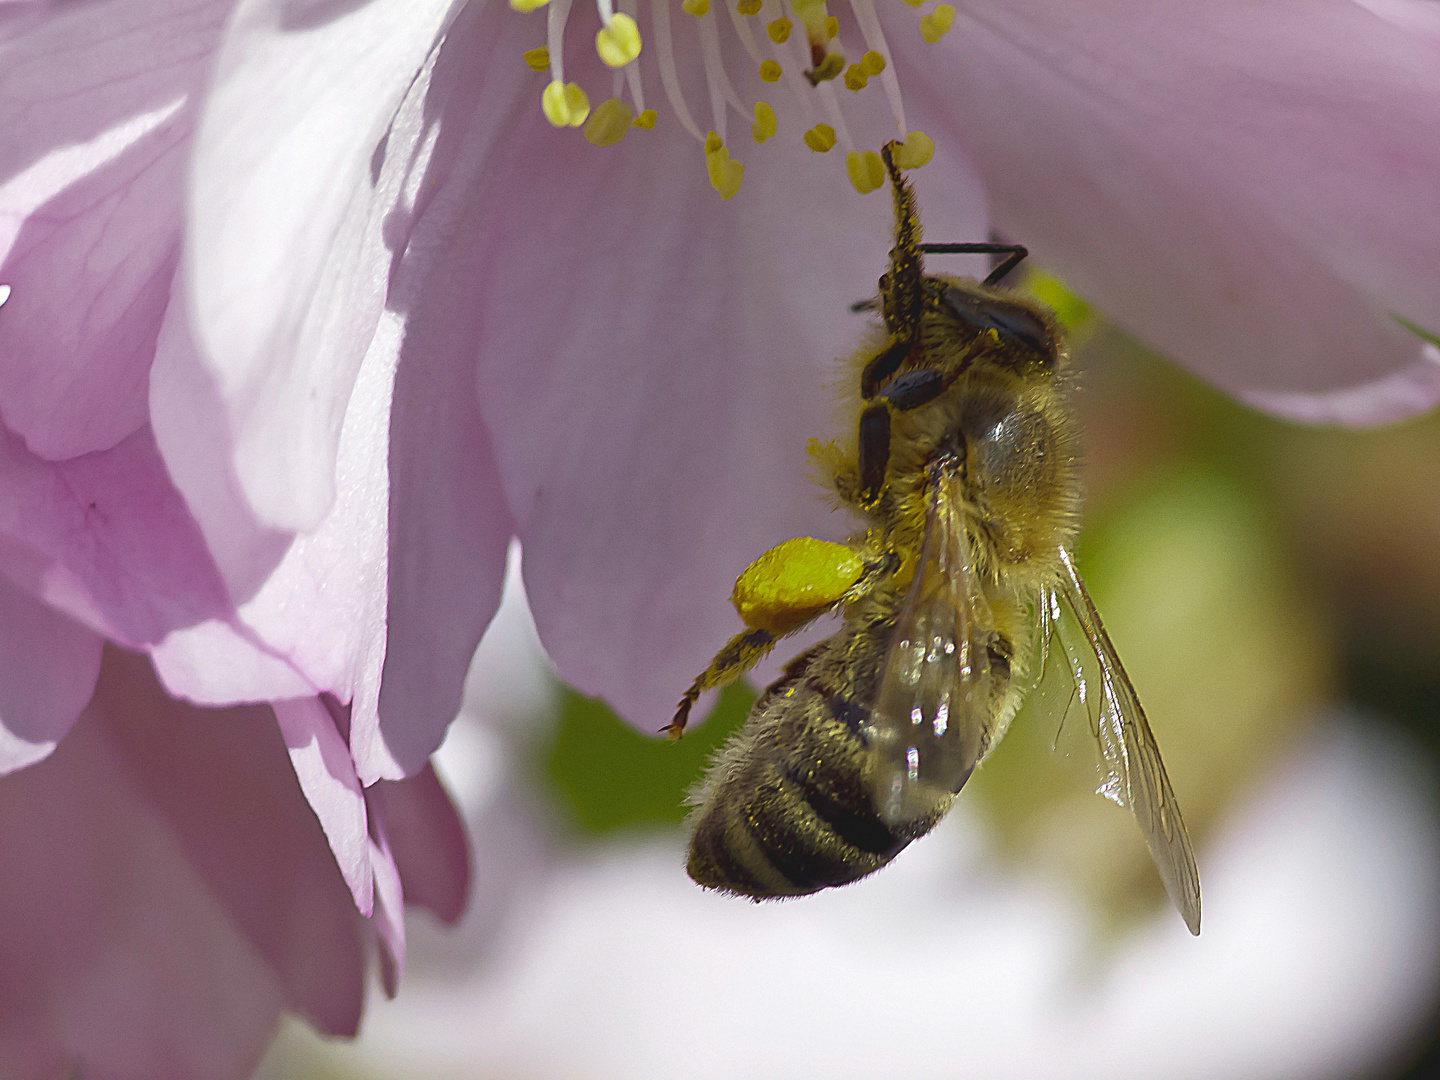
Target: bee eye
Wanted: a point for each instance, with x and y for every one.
(1009, 320)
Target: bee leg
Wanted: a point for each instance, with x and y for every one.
(874, 451)
(739, 655)
(1015, 255)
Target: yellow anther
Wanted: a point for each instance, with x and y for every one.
(865, 169)
(855, 78)
(915, 151)
(820, 138)
(527, 6)
(537, 59)
(872, 62)
(914, 3)
(748, 7)
(764, 124)
(646, 119)
(608, 123)
(832, 27)
(769, 71)
(779, 30)
(793, 582)
(564, 104)
(696, 7)
(937, 24)
(725, 174)
(618, 42)
(832, 65)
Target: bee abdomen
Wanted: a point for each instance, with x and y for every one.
(794, 814)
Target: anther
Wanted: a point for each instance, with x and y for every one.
(537, 59)
(527, 6)
(915, 151)
(748, 7)
(830, 65)
(565, 104)
(769, 71)
(820, 138)
(779, 30)
(725, 173)
(608, 123)
(764, 126)
(646, 119)
(937, 24)
(696, 7)
(865, 169)
(618, 41)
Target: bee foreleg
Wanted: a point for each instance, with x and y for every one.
(739, 655)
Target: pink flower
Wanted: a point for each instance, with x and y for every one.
(312, 309)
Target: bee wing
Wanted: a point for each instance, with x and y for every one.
(928, 723)
(1135, 773)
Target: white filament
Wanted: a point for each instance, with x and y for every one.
(632, 69)
(875, 39)
(669, 77)
(556, 14)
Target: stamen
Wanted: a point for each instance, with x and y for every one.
(770, 71)
(527, 6)
(555, 37)
(875, 38)
(748, 7)
(537, 59)
(742, 29)
(715, 72)
(632, 70)
(778, 30)
(609, 123)
(831, 105)
(564, 104)
(669, 78)
(820, 138)
(788, 68)
(695, 7)
(865, 169)
(725, 174)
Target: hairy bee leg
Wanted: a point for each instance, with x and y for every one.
(902, 295)
(874, 451)
(735, 658)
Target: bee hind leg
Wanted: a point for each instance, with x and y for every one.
(739, 655)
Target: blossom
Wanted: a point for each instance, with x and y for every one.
(312, 308)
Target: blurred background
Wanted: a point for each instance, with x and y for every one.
(1275, 594)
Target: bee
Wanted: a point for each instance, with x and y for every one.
(964, 466)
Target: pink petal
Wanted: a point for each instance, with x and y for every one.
(652, 365)
(327, 777)
(1249, 188)
(167, 893)
(95, 103)
(107, 539)
(301, 158)
(428, 840)
(389, 917)
(48, 666)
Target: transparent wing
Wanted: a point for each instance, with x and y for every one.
(927, 726)
(1135, 774)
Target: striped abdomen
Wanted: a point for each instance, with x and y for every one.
(787, 808)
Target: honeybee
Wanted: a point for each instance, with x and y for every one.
(964, 466)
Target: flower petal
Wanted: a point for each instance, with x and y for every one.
(1248, 188)
(300, 160)
(96, 107)
(428, 839)
(107, 539)
(48, 666)
(167, 893)
(651, 367)
(327, 777)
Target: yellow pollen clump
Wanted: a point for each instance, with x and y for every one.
(793, 582)
(537, 59)
(769, 71)
(527, 6)
(865, 169)
(820, 138)
(937, 24)
(646, 119)
(832, 65)
(779, 30)
(872, 63)
(748, 7)
(764, 125)
(855, 78)
(832, 27)
(608, 123)
(696, 7)
(618, 42)
(725, 173)
(915, 151)
(565, 104)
